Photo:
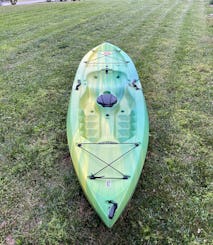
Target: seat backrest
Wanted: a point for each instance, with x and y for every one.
(106, 99)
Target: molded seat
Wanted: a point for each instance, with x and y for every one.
(106, 99)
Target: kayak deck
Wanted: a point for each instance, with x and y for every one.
(107, 129)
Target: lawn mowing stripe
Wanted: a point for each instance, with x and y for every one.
(139, 27)
(42, 28)
(151, 32)
(159, 45)
(188, 65)
(71, 33)
(162, 55)
(182, 59)
(56, 30)
(60, 22)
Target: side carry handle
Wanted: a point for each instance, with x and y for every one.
(78, 85)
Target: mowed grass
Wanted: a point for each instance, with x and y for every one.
(170, 42)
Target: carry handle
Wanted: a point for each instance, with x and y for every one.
(78, 85)
(112, 209)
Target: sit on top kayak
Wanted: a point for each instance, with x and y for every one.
(107, 129)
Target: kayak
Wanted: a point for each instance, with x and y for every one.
(107, 129)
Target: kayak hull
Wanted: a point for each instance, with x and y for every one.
(107, 129)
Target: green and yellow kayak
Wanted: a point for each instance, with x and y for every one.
(107, 129)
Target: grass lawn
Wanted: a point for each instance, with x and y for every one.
(170, 42)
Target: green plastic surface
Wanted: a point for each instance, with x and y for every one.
(108, 145)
